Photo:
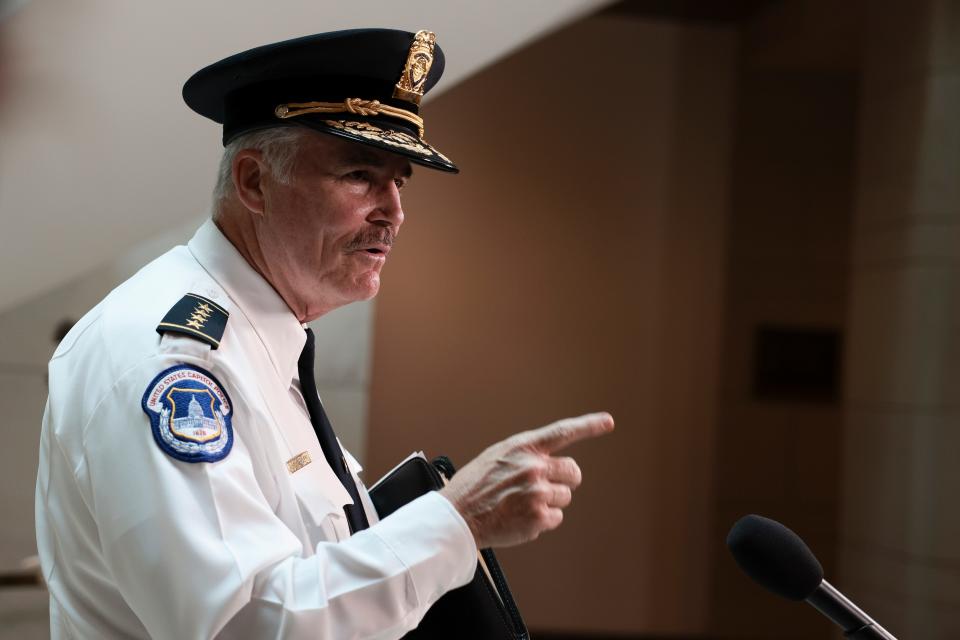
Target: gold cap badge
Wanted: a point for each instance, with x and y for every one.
(417, 68)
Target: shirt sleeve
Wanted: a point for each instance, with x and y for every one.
(197, 551)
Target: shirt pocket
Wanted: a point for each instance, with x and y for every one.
(321, 497)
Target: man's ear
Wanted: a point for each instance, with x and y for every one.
(249, 171)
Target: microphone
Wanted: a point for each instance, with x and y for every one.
(778, 559)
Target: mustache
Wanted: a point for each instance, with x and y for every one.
(381, 235)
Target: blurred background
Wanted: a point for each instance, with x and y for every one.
(734, 224)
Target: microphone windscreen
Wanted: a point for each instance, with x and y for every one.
(774, 556)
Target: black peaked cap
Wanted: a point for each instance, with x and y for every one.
(309, 81)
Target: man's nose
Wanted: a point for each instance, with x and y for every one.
(389, 211)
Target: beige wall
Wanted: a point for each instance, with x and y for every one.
(901, 523)
(787, 265)
(575, 265)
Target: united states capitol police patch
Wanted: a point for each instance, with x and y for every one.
(190, 413)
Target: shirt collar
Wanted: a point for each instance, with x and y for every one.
(272, 320)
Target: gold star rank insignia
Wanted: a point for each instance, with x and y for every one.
(197, 317)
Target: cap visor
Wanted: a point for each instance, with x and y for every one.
(392, 140)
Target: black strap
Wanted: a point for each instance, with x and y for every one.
(356, 517)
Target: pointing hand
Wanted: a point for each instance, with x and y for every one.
(516, 489)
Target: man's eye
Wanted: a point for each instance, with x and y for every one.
(400, 182)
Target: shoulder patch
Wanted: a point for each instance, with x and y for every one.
(197, 317)
(190, 413)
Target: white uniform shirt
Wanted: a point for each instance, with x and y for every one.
(135, 543)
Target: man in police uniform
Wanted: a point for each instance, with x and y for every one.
(190, 484)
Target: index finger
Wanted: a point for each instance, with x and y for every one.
(565, 432)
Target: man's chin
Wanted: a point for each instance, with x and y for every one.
(358, 290)
(368, 287)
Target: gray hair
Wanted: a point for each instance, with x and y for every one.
(279, 146)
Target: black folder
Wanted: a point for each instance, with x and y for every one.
(483, 609)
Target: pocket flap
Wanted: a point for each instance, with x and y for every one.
(319, 491)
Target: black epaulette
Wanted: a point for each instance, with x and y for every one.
(197, 317)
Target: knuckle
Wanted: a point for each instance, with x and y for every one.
(562, 430)
(568, 472)
(529, 476)
(542, 513)
(534, 498)
(534, 471)
(550, 518)
(518, 439)
(543, 493)
(540, 465)
(557, 518)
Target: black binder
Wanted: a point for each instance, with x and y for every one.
(483, 609)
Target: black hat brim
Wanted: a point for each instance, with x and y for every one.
(390, 139)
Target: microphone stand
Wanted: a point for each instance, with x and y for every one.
(869, 632)
(856, 624)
